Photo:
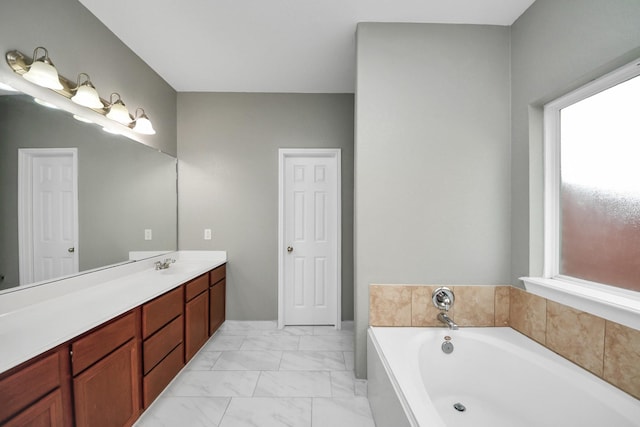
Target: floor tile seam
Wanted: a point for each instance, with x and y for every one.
(255, 386)
(236, 370)
(301, 356)
(246, 370)
(306, 396)
(226, 408)
(280, 363)
(331, 384)
(257, 350)
(300, 372)
(353, 386)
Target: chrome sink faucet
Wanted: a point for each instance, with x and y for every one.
(163, 265)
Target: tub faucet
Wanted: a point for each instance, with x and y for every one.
(444, 318)
(163, 265)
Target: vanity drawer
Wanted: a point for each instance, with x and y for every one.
(196, 287)
(160, 376)
(160, 311)
(217, 274)
(157, 346)
(30, 383)
(102, 341)
(48, 411)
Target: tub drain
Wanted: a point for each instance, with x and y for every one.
(459, 407)
(447, 347)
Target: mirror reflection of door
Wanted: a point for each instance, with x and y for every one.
(47, 213)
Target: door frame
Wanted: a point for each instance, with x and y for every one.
(25, 207)
(283, 154)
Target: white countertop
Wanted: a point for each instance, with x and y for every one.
(62, 310)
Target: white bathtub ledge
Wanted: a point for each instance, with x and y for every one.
(615, 304)
(505, 378)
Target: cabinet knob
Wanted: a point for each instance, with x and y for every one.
(289, 249)
(71, 250)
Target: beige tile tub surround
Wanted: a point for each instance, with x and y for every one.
(411, 305)
(605, 348)
(502, 305)
(423, 312)
(622, 358)
(528, 314)
(474, 305)
(390, 305)
(576, 335)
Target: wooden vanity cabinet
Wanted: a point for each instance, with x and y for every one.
(38, 392)
(106, 373)
(196, 315)
(217, 296)
(162, 346)
(105, 377)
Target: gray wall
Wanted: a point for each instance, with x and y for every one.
(432, 159)
(556, 46)
(228, 181)
(78, 42)
(123, 187)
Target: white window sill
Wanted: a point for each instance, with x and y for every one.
(618, 305)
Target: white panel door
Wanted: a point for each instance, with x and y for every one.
(310, 240)
(54, 215)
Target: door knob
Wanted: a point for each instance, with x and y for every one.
(71, 250)
(289, 249)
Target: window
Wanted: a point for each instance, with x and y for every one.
(592, 188)
(600, 187)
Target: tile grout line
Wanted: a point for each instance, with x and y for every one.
(604, 348)
(281, 357)
(255, 387)
(226, 408)
(311, 412)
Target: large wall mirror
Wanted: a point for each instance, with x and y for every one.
(126, 195)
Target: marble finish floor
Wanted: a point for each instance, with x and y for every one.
(253, 374)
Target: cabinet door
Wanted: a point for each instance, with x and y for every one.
(196, 324)
(216, 306)
(47, 412)
(108, 393)
(38, 393)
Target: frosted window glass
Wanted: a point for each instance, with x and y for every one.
(600, 187)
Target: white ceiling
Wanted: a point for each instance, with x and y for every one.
(303, 46)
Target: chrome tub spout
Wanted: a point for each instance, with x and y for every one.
(444, 318)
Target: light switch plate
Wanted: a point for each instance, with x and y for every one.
(148, 235)
(207, 234)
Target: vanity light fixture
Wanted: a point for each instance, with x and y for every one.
(143, 124)
(42, 71)
(86, 93)
(118, 111)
